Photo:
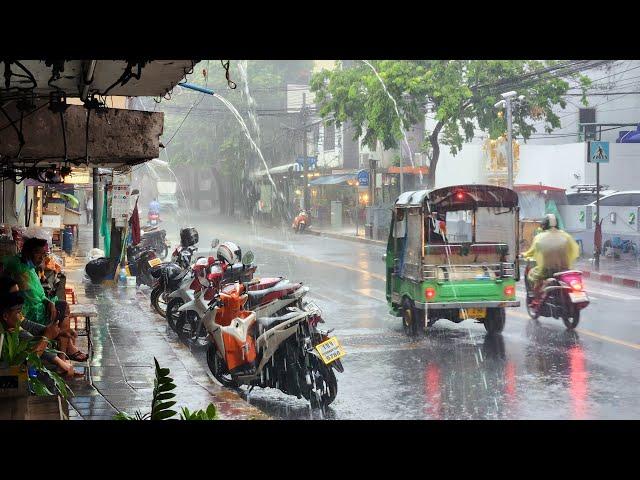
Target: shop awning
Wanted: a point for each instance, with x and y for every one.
(409, 170)
(334, 179)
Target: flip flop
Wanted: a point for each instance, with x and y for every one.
(78, 356)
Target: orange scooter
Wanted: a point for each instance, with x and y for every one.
(286, 352)
(301, 222)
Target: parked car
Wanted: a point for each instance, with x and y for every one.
(627, 198)
(586, 194)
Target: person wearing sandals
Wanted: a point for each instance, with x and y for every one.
(11, 302)
(37, 307)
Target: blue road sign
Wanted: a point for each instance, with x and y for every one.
(598, 152)
(311, 161)
(363, 178)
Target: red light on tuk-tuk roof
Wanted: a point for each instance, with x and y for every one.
(460, 195)
(430, 293)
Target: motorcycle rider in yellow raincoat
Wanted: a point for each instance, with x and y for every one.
(553, 250)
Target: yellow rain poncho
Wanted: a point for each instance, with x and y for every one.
(554, 251)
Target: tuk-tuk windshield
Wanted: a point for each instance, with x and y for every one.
(484, 225)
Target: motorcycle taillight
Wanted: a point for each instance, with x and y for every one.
(576, 285)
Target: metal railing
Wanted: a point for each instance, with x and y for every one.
(460, 272)
(469, 272)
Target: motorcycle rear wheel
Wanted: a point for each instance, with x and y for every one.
(171, 313)
(571, 322)
(186, 324)
(218, 367)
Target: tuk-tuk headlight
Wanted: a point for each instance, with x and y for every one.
(430, 293)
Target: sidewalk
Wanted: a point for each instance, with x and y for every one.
(624, 271)
(126, 336)
(346, 233)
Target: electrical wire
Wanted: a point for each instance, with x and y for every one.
(10, 124)
(18, 132)
(183, 120)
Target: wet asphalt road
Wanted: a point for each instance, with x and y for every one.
(534, 370)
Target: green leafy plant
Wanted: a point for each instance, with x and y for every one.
(459, 96)
(208, 414)
(16, 351)
(162, 403)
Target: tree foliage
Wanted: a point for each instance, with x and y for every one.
(458, 95)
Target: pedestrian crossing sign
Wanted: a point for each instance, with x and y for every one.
(598, 152)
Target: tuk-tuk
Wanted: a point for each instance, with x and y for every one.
(452, 254)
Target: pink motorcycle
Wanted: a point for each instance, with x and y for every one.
(561, 296)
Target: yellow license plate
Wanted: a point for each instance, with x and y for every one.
(330, 350)
(473, 313)
(154, 262)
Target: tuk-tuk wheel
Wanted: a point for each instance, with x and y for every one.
(412, 318)
(494, 321)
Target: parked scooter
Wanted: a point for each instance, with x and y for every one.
(301, 222)
(155, 238)
(153, 219)
(168, 277)
(188, 303)
(561, 296)
(141, 260)
(285, 352)
(183, 256)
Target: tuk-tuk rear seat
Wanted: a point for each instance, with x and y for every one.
(475, 254)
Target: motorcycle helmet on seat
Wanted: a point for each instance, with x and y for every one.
(229, 252)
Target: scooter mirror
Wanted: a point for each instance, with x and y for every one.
(215, 242)
(248, 258)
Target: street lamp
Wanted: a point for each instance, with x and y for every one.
(506, 102)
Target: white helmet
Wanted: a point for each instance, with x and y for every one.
(229, 252)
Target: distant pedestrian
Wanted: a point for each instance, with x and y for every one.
(89, 207)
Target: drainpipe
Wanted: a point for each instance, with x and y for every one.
(197, 88)
(88, 78)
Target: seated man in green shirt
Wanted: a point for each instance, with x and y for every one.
(11, 302)
(37, 307)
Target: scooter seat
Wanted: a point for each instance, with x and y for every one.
(269, 322)
(257, 295)
(566, 272)
(265, 283)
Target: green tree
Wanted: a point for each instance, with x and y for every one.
(199, 131)
(458, 94)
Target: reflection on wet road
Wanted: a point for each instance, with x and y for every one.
(534, 370)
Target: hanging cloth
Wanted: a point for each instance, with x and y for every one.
(134, 223)
(105, 226)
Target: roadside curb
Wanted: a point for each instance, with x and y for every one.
(321, 233)
(606, 278)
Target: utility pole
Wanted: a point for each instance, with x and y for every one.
(401, 175)
(509, 145)
(506, 102)
(304, 153)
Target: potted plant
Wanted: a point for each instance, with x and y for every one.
(17, 358)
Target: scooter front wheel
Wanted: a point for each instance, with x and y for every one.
(324, 388)
(533, 313)
(218, 367)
